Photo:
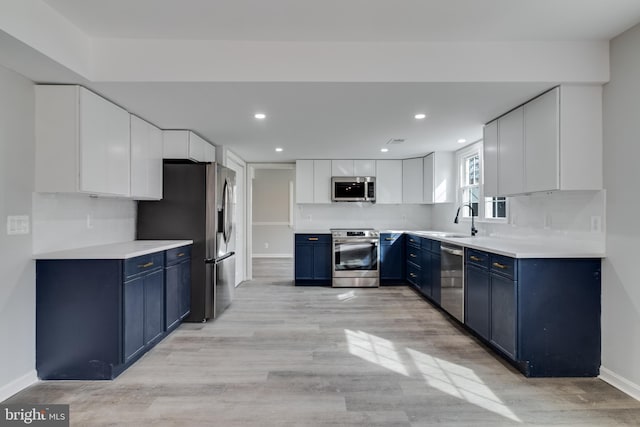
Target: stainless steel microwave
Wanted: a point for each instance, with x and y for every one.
(353, 189)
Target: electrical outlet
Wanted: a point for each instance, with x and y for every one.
(596, 224)
(89, 221)
(266, 245)
(547, 221)
(309, 217)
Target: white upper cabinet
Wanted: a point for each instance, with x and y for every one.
(313, 181)
(82, 142)
(490, 159)
(511, 152)
(364, 168)
(389, 181)
(209, 153)
(304, 181)
(353, 168)
(342, 168)
(412, 180)
(184, 144)
(146, 160)
(542, 142)
(553, 142)
(439, 177)
(322, 181)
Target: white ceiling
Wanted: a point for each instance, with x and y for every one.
(337, 120)
(353, 20)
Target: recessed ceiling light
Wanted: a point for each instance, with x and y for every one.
(462, 141)
(260, 116)
(420, 116)
(384, 150)
(279, 149)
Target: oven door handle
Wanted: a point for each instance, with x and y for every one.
(356, 241)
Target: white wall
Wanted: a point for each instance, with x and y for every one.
(555, 215)
(621, 288)
(358, 215)
(66, 221)
(17, 270)
(272, 235)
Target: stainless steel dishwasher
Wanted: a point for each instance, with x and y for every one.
(452, 280)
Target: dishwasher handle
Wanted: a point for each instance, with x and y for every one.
(452, 250)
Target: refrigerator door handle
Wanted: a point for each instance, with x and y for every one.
(225, 256)
(210, 261)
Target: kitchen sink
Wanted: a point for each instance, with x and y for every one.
(450, 235)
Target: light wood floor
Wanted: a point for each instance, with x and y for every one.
(313, 356)
(273, 267)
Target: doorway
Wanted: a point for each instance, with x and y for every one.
(236, 164)
(270, 220)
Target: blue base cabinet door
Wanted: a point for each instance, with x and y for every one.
(503, 314)
(392, 259)
(177, 286)
(133, 318)
(312, 259)
(477, 300)
(153, 307)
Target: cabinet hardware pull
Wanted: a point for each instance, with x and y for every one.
(475, 258)
(498, 265)
(413, 275)
(412, 255)
(181, 254)
(389, 238)
(313, 238)
(149, 264)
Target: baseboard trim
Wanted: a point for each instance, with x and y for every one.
(272, 256)
(19, 384)
(620, 382)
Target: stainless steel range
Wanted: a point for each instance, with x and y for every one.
(355, 257)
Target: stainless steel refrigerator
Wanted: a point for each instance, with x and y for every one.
(198, 204)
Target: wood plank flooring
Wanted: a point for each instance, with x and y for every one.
(273, 267)
(314, 356)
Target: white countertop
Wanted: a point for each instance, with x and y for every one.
(512, 247)
(121, 250)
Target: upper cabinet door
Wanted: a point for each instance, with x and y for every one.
(146, 160)
(428, 166)
(542, 142)
(364, 168)
(197, 148)
(104, 146)
(342, 168)
(322, 181)
(388, 181)
(490, 159)
(511, 153)
(412, 181)
(304, 181)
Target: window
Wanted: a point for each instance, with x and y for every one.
(470, 187)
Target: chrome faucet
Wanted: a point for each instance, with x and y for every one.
(473, 214)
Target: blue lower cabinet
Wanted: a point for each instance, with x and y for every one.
(477, 304)
(426, 282)
(94, 318)
(392, 259)
(541, 314)
(312, 259)
(177, 278)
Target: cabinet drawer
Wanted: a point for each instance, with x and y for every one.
(414, 241)
(143, 264)
(313, 238)
(413, 274)
(175, 255)
(503, 265)
(479, 258)
(413, 255)
(390, 238)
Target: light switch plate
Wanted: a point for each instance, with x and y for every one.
(17, 224)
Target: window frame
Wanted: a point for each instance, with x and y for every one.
(461, 155)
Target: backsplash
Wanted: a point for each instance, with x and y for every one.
(560, 214)
(362, 215)
(67, 221)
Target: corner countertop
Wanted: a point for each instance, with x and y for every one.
(521, 247)
(122, 250)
